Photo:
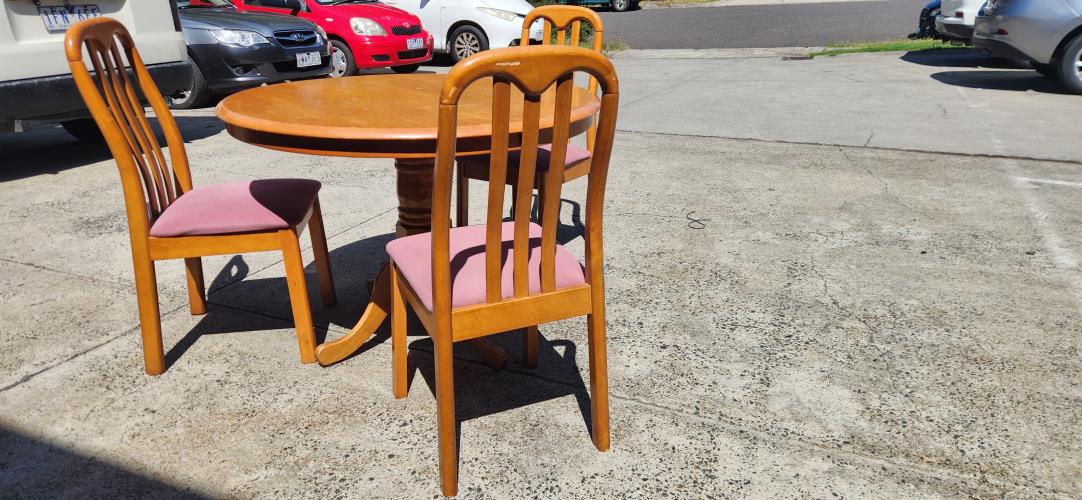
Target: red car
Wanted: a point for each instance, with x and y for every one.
(361, 33)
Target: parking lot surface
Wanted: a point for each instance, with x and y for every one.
(853, 277)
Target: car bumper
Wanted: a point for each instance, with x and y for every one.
(954, 27)
(998, 48)
(227, 68)
(391, 52)
(55, 97)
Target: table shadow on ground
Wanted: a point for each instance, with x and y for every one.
(237, 303)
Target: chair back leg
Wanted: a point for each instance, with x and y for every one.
(197, 292)
(399, 375)
(298, 294)
(150, 322)
(599, 377)
(445, 403)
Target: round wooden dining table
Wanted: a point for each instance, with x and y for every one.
(383, 116)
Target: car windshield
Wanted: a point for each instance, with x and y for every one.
(209, 4)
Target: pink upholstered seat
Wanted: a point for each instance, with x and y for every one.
(413, 256)
(237, 207)
(574, 154)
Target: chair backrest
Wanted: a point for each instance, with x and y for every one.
(533, 70)
(149, 183)
(560, 19)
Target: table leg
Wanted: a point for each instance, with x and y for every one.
(329, 353)
(414, 186)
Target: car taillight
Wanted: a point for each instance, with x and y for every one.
(959, 14)
(1001, 31)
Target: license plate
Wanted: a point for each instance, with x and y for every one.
(415, 43)
(59, 19)
(305, 59)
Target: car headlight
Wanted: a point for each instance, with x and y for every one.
(506, 15)
(238, 37)
(366, 26)
(322, 32)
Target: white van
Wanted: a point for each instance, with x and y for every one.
(35, 82)
(462, 28)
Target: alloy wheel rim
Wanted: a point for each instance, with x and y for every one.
(338, 63)
(182, 96)
(620, 4)
(1078, 65)
(467, 45)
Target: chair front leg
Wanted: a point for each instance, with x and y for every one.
(298, 294)
(197, 294)
(399, 375)
(322, 257)
(445, 403)
(150, 322)
(529, 347)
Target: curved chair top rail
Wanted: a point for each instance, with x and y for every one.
(533, 70)
(114, 97)
(561, 18)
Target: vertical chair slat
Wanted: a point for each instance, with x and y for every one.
(501, 117)
(178, 157)
(576, 33)
(553, 181)
(107, 76)
(155, 150)
(141, 134)
(531, 113)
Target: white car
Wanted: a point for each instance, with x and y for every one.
(956, 18)
(465, 27)
(38, 89)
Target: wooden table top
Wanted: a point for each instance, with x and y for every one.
(377, 116)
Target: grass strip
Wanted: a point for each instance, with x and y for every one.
(883, 46)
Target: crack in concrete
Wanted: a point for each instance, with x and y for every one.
(26, 378)
(877, 148)
(66, 273)
(886, 186)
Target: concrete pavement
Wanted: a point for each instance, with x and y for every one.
(795, 310)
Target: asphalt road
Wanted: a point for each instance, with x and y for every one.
(794, 25)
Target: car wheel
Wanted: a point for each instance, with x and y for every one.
(1048, 70)
(620, 5)
(83, 129)
(407, 68)
(196, 95)
(1070, 65)
(342, 63)
(467, 41)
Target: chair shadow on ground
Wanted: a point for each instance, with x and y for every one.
(237, 303)
(991, 73)
(53, 150)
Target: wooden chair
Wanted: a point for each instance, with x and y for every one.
(469, 282)
(562, 25)
(167, 218)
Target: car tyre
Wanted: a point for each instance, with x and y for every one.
(1047, 70)
(342, 63)
(196, 96)
(1070, 65)
(466, 41)
(620, 5)
(84, 129)
(406, 68)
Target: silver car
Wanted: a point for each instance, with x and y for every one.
(1047, 33)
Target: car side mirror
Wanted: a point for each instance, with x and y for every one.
(293, 5)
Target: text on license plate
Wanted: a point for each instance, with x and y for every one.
(305, 59)
(59, 19)
(415, 43)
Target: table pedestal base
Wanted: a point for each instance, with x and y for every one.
(414, 216)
